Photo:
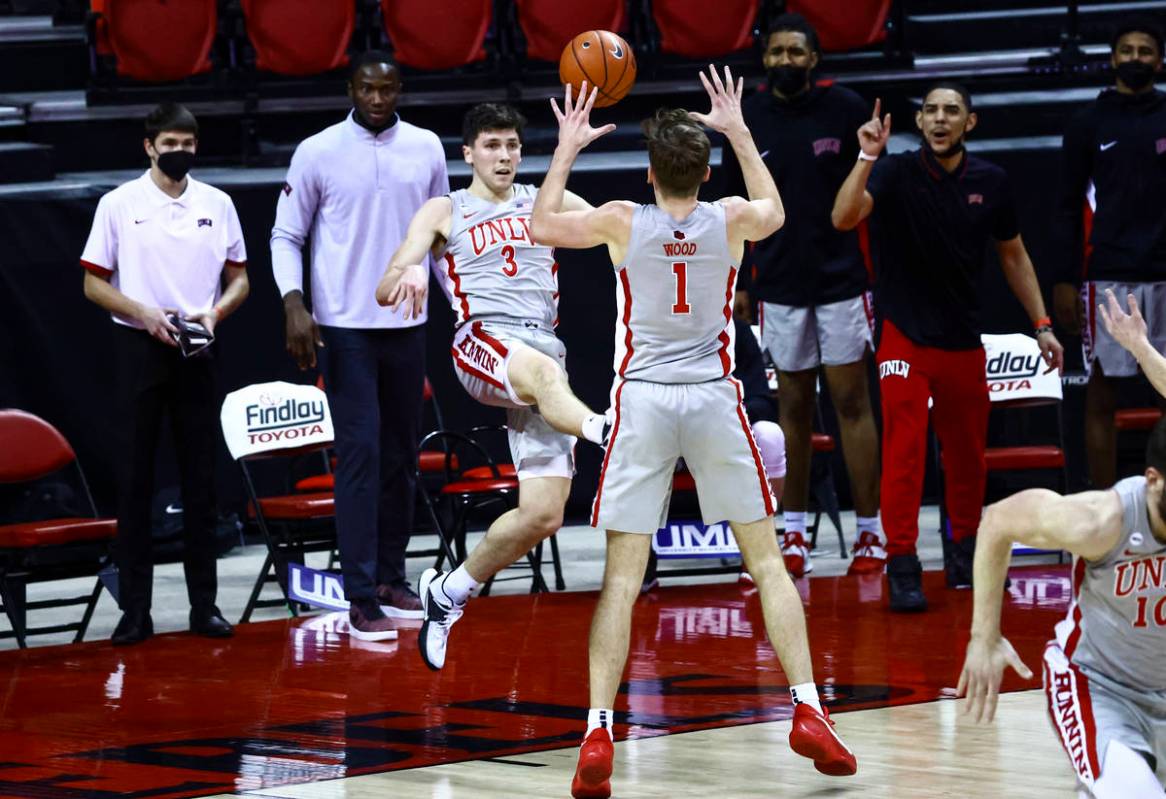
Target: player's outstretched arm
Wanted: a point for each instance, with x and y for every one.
(1129, 330)
(406, 278)
(853, 202)
(559, 218)
(1086, 525)
(764, 214)
(1021, 277)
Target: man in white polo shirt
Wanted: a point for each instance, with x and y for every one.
(352, 189)
(165, 244)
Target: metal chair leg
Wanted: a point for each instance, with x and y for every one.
(560, 583)
(89, 607)
(256, 590)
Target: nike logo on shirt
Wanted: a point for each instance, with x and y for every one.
(139, 221)
(1107, 145)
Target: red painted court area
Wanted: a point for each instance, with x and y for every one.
(291, 702)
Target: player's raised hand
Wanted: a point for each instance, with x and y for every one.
(1127, 329)
(406, 286)
(575, 128)
(725, 99)
(983, 670)
(873, 136)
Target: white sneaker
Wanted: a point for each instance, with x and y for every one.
(437, 621)
(870, 557)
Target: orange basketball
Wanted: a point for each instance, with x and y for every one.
(602, 59)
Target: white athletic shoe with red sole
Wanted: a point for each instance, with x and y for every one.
(796, 555)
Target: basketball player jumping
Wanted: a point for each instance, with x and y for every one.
(676, 265)
(504, 292)
(1105, 672)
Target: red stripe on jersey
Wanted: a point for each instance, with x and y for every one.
(606, 459)
(765, 491)
(494, 343)
(1087, 721)
(627, 318)
(100, 271)
(1087, 234)
(726, 361)
(1075, 635)
(470, 369)
(457, 287)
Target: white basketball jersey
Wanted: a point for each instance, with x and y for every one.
(491, 265)
(674, 298)
(1116, 624)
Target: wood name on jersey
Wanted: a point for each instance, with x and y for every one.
(493, 232)
(677, 248)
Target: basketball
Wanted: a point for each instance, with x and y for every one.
(602, 59)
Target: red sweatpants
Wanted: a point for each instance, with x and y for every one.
(955, 380)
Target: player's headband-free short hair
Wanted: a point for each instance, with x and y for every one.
(678, 150)
(1138, 24)
(795, 23)
(491, 116)
(953, 86)
(170, 116)
(370, 57)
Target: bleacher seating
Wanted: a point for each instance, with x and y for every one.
(155, 40)
(299, 37)
(548, 25)
(437, 34)
(699, 29)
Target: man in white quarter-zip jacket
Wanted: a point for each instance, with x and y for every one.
(351, 190)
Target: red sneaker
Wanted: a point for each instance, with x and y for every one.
(796, 555)
(593, 775)
(869, 555)
(813, 736)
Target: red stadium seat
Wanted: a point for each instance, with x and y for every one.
(41, 550)
(845, 24)
(549, 24)
(1136, 418)
(700, 29)
(159, 40)
(437, 34)
(299, 37)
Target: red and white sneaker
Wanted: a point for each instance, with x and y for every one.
(813, 736)
(593, 774)
(869, 555)
(796, 555)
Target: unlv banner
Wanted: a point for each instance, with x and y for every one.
(692, 539)
(1016, 370)
(271, 416)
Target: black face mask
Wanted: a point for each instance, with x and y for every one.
(1135, 74)
(175, 163)
(788, 80)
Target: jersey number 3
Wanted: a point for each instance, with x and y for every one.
(680, 272)
(511, 268)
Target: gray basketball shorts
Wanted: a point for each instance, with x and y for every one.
(481, 353)
(653, 424)
(1089, 711)
(1096, 343)
(803, 338)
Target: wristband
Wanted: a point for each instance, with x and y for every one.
(218, 312)
(1043, 325)
(864, 157)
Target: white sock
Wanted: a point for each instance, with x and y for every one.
(593, 428)
(795, 521)
(600, 717)
(456, 586)
(868, 524)
(806, 693)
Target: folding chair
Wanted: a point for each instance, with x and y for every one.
(269, 421)
(473, 482)
(41, 550)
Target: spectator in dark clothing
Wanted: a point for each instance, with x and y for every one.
(1114, 226)
(810, 280)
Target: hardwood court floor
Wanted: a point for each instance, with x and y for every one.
(296, 709)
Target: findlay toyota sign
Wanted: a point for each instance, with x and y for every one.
(269, 416)
(1015, 369)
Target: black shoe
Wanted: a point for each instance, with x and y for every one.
(209, 622)
(133, 628)
(905, 576)
(958, 563)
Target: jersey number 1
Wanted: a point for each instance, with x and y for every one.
(680, 272)
(511, 268)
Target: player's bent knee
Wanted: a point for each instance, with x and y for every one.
(771, 443)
